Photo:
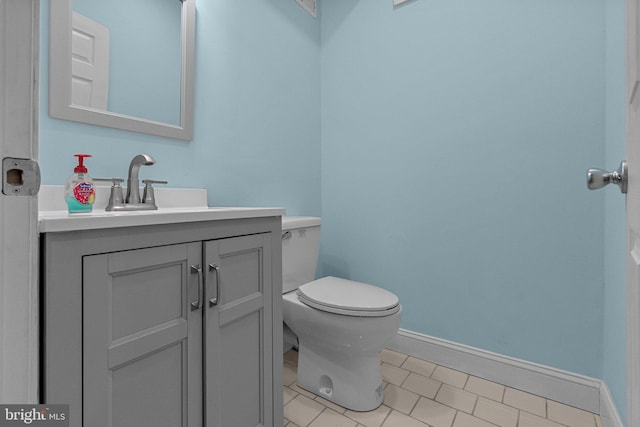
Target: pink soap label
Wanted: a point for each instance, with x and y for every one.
(84, 193)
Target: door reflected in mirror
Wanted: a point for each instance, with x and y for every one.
(126, 57)
(124, 63)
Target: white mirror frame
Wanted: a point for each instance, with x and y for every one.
(61, 107)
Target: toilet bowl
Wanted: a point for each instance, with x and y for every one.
(341, 325)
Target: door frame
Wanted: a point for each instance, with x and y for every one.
(19, 62)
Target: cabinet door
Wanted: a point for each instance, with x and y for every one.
(142, 339)
(238, 332)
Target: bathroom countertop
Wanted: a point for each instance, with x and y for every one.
(174, 206)
(59, 221)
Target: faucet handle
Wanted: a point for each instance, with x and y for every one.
(148, 196)
(115, 198)
(148, 182)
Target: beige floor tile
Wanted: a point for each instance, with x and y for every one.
(373, 418)
(568, 415)
(289, 375)
(482, 387)
(392, 357)
(419, 366)
(399, 399)
(330, 418)
(599, 421)
(396, 419)
(301, 410)
(433, 413)
(419, 393)
(495, 412)
(288, 394)
(298, 389)
(339, 409)
(466, 420)
(422, 385)
(457, 398)
(529, 420)
(393, 374)
(525, 401)
(450, 376)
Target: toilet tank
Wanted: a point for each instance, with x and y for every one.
(300, 245)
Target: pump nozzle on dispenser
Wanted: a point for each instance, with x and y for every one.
(81, 167)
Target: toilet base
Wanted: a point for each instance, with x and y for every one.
(351, 382)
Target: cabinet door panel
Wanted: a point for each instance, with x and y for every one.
(141, 300)
(241, 397)
(244, 266)
(237, 309)
(149, 391)
(146, 342)
(142, 343)
(238, 347)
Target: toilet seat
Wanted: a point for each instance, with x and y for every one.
(347, 297)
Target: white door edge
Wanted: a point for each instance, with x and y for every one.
(633, 213)
(19, 351)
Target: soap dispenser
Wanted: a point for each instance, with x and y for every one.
(78, 190)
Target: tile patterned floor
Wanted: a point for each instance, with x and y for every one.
(419, 393)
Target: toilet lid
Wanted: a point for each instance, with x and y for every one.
(347, 297)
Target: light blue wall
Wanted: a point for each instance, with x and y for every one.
(614, 341)
(257, 118)
(455, 139)
(444, 143)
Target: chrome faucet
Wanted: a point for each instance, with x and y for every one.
(133, 185)
(133, 202)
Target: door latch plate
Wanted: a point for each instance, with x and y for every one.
(20, 177)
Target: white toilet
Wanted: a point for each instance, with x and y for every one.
(341, 325)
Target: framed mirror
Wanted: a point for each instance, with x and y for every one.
(129, 67)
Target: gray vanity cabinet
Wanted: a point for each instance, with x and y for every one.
(174, 325)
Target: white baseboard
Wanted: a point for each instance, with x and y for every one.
(565, 387)
(608, 412)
